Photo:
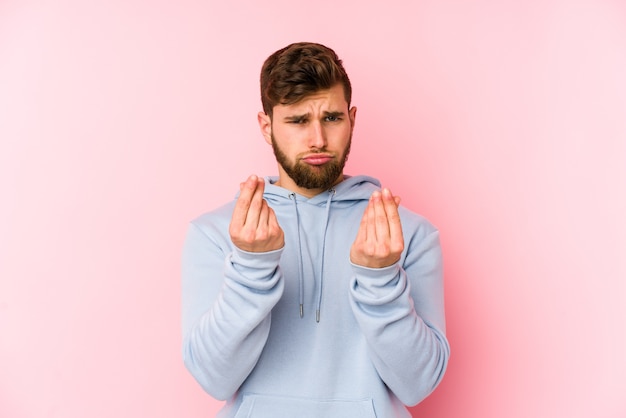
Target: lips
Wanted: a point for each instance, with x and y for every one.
(317, 159)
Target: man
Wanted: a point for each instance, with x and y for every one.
(313, 294)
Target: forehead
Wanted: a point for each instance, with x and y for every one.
(332, 99)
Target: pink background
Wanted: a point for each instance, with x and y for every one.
(504, 122)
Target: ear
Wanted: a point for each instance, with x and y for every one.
(265, 123)
(352, 116)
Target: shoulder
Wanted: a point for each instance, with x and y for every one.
(422, 242)
(415, 224)
(215, 221)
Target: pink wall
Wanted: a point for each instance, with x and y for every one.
(504, 122)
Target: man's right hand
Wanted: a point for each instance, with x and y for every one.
(254, 227)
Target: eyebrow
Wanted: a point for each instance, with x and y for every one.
(299, 118)
(334, 114)
(296, 118)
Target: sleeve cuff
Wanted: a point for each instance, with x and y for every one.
(375, 286)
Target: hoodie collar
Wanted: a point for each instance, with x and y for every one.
(350, 189)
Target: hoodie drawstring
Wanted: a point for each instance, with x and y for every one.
(331, 193)
(292, 196)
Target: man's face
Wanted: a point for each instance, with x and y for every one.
(311, 140)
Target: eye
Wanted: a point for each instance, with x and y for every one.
(332, 118)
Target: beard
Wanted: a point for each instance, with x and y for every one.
(312, 177)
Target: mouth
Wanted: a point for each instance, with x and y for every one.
(317, 159)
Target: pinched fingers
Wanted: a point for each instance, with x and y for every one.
(379, 241)
(257, 204)
(254, 226)
(247, 190)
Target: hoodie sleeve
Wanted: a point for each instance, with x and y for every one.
(227, 298)
(400, 310)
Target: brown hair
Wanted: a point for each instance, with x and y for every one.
(298, 70)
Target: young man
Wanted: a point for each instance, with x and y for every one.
(313, 294)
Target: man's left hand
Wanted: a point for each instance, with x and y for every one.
(379, 242)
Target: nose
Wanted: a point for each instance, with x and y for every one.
(317, 137)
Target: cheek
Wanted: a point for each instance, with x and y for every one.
(340, 136)
(286, 143)
(290, 138)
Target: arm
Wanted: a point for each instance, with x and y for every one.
(229, 292)
(398, 303)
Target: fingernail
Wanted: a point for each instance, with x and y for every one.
(386, 192)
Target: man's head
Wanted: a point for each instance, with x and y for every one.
(298, 70)
(307, 116)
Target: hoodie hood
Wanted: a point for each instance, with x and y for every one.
(347, 193)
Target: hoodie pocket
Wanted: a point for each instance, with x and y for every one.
(266, 406)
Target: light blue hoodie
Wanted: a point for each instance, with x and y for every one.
(302, 332)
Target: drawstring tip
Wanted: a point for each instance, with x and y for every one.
(317, 315)
(301, 311)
